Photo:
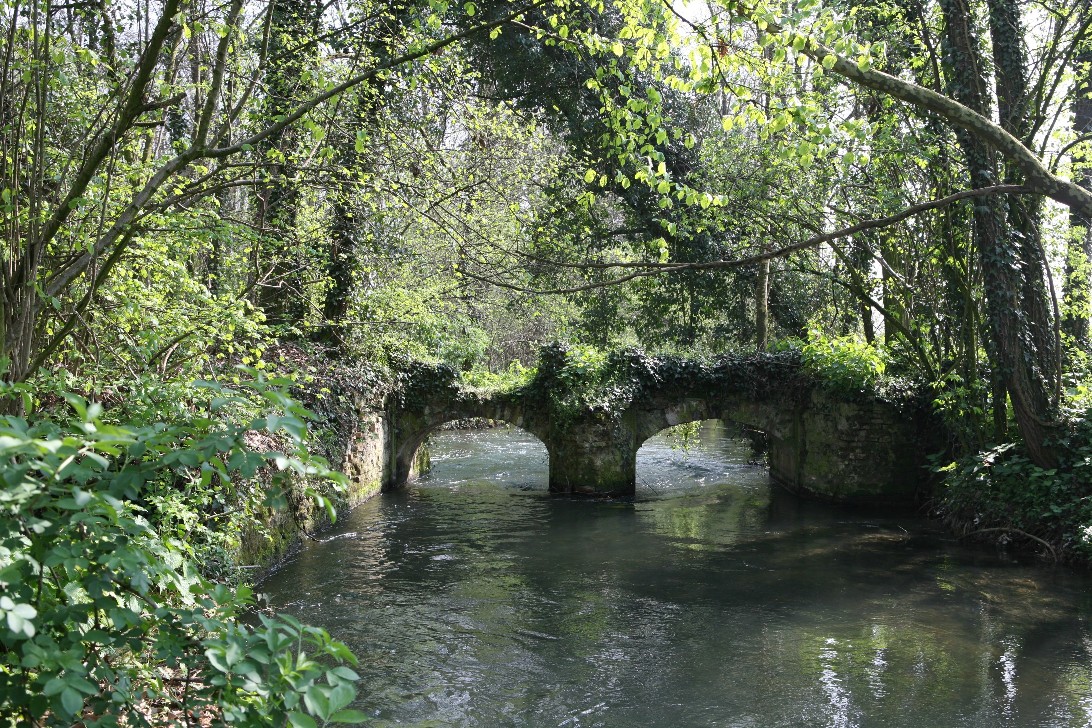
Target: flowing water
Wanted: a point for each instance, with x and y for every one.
(714, 599)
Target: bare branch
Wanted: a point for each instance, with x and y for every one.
(653, 268)
(315, 101)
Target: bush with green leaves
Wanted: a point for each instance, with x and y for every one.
(964, 407)
(514, 377)
(104, 617)
(844, 363)
(1000, 490)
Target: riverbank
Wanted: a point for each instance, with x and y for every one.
(351, 430)
(1000, 495)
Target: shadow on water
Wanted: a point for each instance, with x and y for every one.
(473, 598)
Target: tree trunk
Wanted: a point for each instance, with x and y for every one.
(345, 233)
(762, 306)
(957, 113)
(1014, 305)
(280, 291)
(1024, 212)
(894, 308)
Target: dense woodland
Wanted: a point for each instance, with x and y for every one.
(205, 202)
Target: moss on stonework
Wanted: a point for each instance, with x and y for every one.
(348, 400)
(261, 545)
(582, 404)
(422, 460)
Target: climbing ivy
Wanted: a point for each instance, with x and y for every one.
(569, 382)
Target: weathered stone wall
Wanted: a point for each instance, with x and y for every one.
(863, 452)
(353, 433)
(594, 455)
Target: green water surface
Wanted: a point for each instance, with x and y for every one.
(473, 598)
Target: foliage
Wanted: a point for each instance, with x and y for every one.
(572, 380)
(1001, 488)
(684, 436)
(844, 363)
(962, 405)
(514, 377)
(107, 616)
(1078, 382)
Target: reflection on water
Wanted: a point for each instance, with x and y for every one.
(474, 598)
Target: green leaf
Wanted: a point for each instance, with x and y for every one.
(54, 686)
(340, 696)
(77, 403)
(71, 701)
(342, 672)
(216, 659)
(317, 701)
(297, 719)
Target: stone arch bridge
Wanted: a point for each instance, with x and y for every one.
(843, 447)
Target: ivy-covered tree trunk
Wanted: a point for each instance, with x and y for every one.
(1017, 314)
(280, 288)
(1024, 212)
(345, 227)
(1077, 290)
(346, 235)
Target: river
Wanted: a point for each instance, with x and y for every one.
(473, 598)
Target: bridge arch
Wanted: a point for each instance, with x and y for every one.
(774, 418)
(412, 428)
(494, 452)
(654, 420)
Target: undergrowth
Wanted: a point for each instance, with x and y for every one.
(1000, 491)
(114, 609)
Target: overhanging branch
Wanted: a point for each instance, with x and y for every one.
(646, 269)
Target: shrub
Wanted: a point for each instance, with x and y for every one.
(1001, 488)
(514, 377)
(844, 363)
(104, 616)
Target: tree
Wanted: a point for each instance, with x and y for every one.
(80, 185)
(288, 79)
(1019, 314)
(1078, 290)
